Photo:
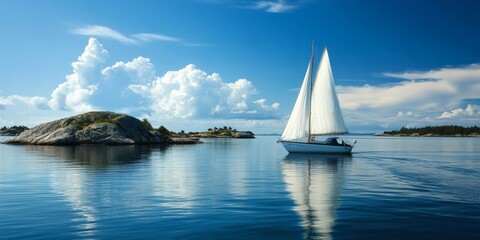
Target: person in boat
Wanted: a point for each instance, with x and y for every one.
(335, 141)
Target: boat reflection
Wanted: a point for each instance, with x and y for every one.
(314, 183)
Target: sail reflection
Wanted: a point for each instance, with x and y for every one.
(315, 182)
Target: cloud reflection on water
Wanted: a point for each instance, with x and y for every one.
(71, 177)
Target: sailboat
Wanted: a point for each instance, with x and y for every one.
(316, 113)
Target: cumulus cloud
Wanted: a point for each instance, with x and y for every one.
(471, 111)
(73, 94)
(192, 93)
(109, 33)
(139, 70)
(134, 87)
(114, 90)
(278, 6)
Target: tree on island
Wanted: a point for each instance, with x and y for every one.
(147, 124)
(225, 131)
(12, 131)
(163, 130)
(447, 130)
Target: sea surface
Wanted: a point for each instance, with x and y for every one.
(389, 188)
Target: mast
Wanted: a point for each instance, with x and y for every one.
(310, 98)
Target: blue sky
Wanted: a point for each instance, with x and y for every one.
(194, 64)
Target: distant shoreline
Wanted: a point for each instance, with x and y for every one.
(437, 131)
(426, 135)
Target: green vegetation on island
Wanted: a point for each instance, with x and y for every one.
(216, 132)
(12, 131)
(224, 132)
(435, 131)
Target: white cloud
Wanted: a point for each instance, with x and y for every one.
(109, 33)
(192, 93)
(421, 97)
(278, 6)
(37, 102)
(73, 94)
(272, 6)
(139, 70)
(133, 87)
(408, 93)
(102, 31)
(114, 90)
(4, 102)
(471, 111)
(424, 90)
(147, 37)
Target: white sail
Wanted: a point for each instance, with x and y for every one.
(298, 124)
(326, 115)
(316, 112)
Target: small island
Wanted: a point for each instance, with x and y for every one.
(220, 132)
(435, 131)
(91, 128)
(101, 127)
(12, 131)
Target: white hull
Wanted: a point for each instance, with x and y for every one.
(301, 147)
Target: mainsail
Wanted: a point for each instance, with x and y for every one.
(317, 109)
(298, 124)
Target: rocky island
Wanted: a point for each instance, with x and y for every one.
(101, 127)
(91, 128)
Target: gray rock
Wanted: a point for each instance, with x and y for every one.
(91, 128)
(246, 134)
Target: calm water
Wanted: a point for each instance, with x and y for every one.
(389, 188)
